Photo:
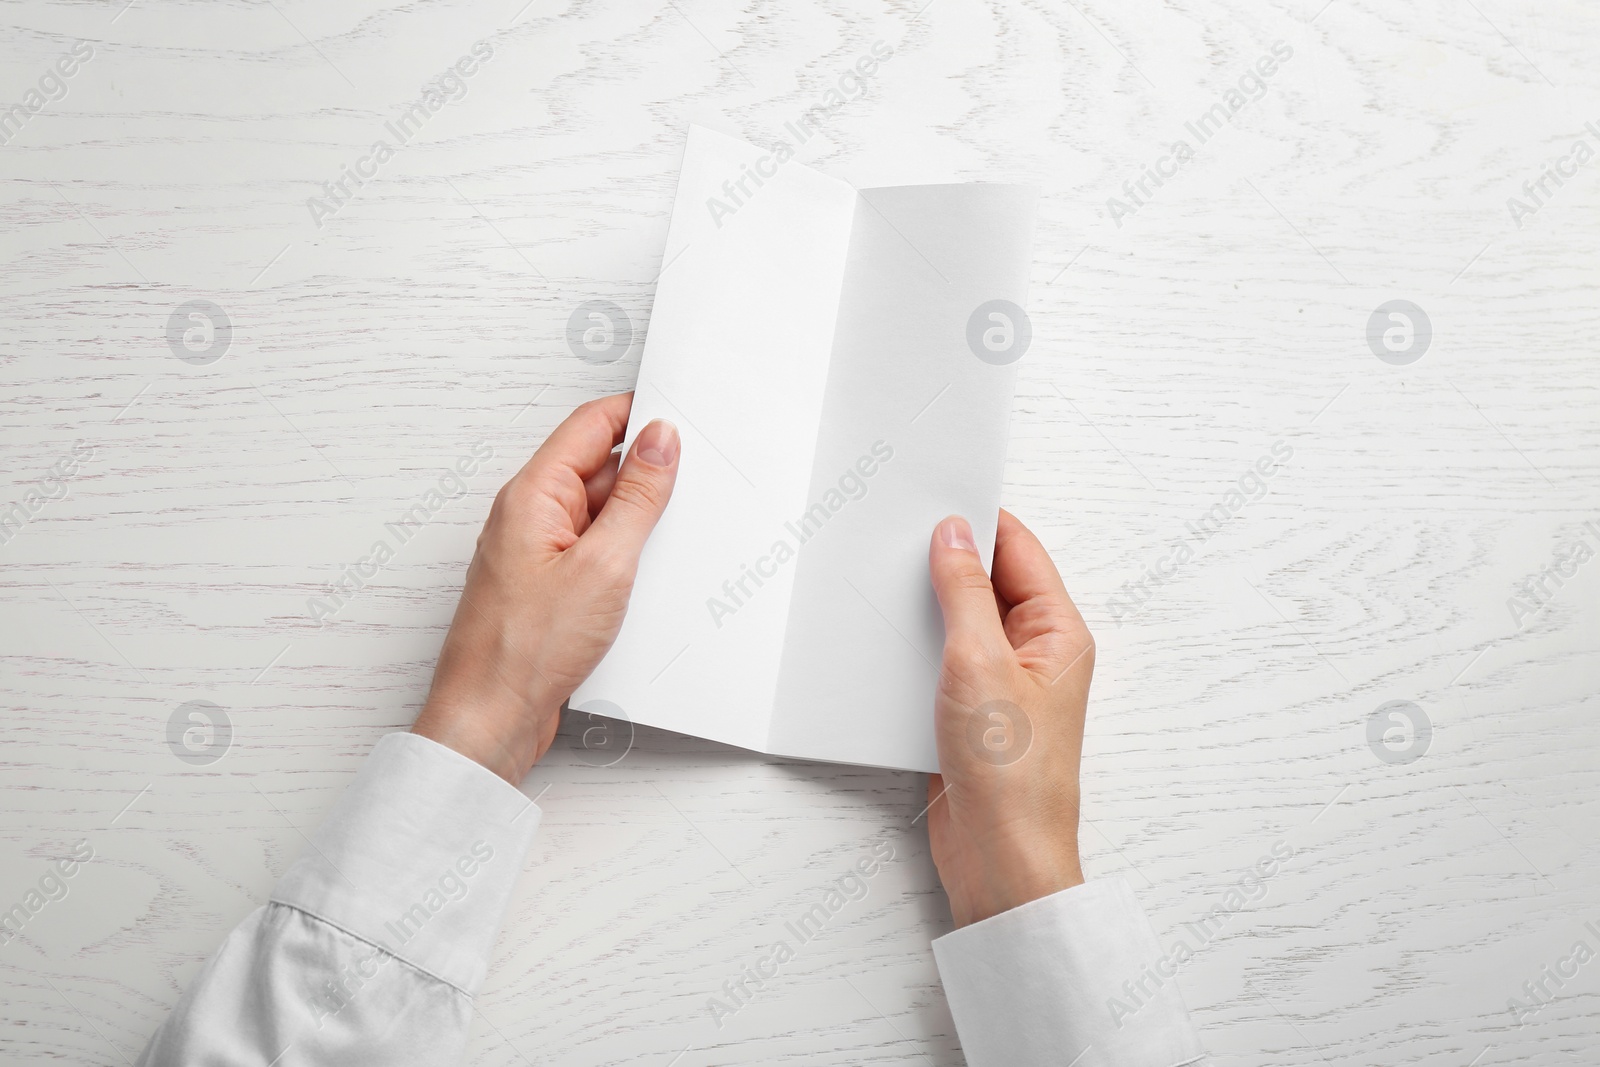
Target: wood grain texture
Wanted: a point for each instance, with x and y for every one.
(1226, 314)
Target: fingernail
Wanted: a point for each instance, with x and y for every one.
(658, 443)
(955, 533)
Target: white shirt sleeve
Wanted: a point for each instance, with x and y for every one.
(371, 946)
(1075, 979)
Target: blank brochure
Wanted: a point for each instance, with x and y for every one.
(840, 366)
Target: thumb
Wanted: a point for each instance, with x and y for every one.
(971, 618)
(643, 487)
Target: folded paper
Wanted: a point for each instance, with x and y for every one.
(841, 367)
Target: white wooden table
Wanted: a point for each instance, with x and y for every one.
(1177, 339)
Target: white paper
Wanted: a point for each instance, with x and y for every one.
(811, 345)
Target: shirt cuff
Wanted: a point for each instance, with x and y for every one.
(1071, 978)
(418, 857)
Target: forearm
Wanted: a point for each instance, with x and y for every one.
(1071, 978)
(374, 942)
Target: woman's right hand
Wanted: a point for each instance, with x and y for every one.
(1013, 692)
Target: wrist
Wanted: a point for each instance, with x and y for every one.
(1011, 878)
(506, 740)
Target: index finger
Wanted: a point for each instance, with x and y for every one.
(584, 440)
(1023, 569)
(1043, 620)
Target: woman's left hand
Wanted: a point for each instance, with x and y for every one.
(548, 586)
